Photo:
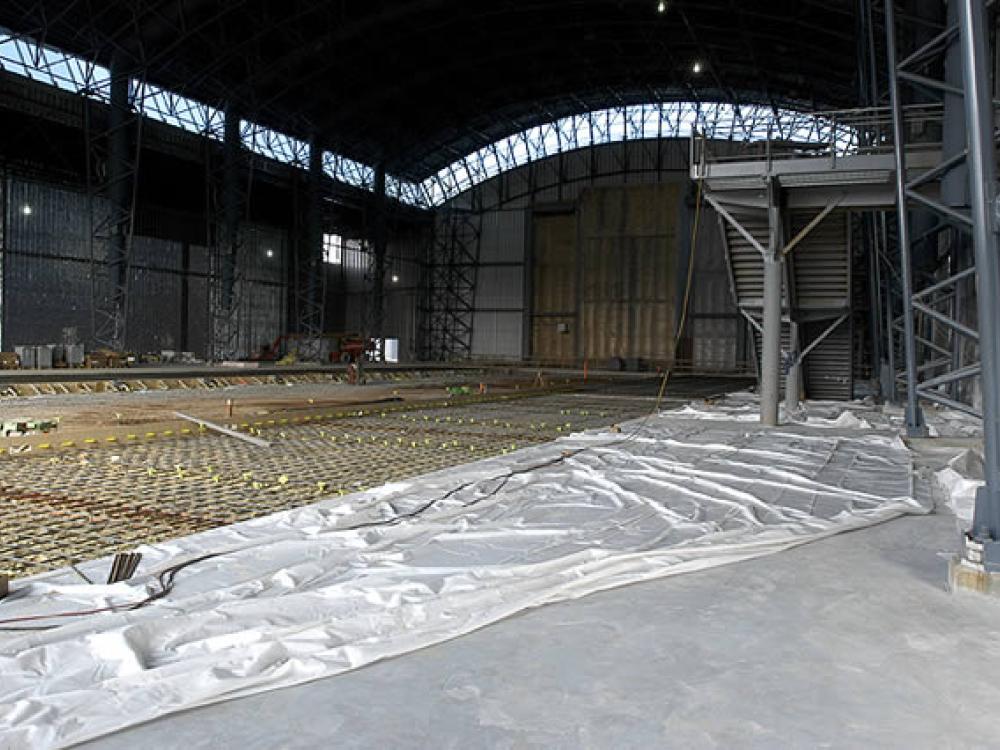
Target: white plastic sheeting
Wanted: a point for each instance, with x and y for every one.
(308, 593)
(863, 414)
(960, 479)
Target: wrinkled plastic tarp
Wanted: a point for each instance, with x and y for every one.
(297, 596)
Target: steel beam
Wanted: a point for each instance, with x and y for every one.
(804, 232)
(942, 318)
(771, 341)
(721, 210)
(915, 425)
(982, 191)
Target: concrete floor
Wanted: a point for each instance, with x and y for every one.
(848, 642)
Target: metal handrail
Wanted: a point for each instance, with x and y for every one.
(831, 134)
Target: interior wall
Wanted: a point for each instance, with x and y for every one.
(524, 212)
(49, 277)
(604, 278)
(349, 288)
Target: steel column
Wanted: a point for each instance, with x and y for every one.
(914, 416)
(982, 189)
(770, 358)
(111, 168)
(226, 209)
(380, 239)
(310, 287)
(230, 207)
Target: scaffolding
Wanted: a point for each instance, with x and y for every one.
(310, 286)
(451, 274)
(113, 142)
(228, 180)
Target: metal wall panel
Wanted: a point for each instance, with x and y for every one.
(500, 287)
(630, 247)
(554, 320)
(48, 250)
(502, 237)
(155, 295)
(497, 335)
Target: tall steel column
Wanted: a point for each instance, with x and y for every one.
(770, 357)
(914, 415)
(310, 287)
(230, 207)
(380, 241)
(226, 207)
(111, 175)
(983, 193)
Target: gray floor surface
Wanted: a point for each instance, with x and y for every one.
(848, 642)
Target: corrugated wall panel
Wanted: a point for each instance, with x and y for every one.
(500, 287)
(629, 265)
(503, 235)
(497, 335)
(821, 262)
(828, 373)
(48, 286)
(49, 275)
(554, 304)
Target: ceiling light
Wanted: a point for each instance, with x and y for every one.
(661, 6)
(26, 209)
(395, 278)
(696, 68)
(269, 253)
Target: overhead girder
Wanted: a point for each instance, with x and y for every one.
(412, 83)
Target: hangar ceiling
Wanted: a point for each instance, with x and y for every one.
(415, 84)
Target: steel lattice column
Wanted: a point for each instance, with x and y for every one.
(380, 240)
(112, 166)
(309, 285)
(226, 239)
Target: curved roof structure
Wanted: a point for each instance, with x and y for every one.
(417, 84)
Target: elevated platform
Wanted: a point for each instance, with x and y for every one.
(858, 181)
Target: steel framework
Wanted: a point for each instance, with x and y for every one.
(933, 338)
(310, 289)
(969, 25)
(226, 197)
(114, 145)
(450, 277)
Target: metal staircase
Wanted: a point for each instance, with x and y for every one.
(816, 293)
